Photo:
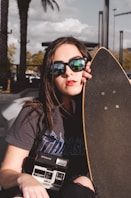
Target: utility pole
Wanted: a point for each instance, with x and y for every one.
(121, 48)
(100, 28)
(106, 23)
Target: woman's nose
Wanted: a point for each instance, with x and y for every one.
(68, 71)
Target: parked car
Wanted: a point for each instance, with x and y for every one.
(31, 76)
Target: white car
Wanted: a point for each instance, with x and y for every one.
(31, 77)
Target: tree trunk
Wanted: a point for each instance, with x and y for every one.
(23, 6)
(4, 63)
(4, 29)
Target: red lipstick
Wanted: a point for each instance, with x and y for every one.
(70, 82)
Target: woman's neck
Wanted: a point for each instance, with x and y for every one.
(67, 104)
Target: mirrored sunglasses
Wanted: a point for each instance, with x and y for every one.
(76, 65)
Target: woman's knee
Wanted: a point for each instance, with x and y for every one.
(84, 181)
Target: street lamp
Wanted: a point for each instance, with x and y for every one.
(114, 31)
(121, 36)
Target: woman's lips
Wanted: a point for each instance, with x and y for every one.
(70, 82)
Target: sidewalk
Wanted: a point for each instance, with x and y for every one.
(5, 100)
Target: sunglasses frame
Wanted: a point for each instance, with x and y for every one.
(56, 72)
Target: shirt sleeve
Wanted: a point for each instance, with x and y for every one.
(24, 130)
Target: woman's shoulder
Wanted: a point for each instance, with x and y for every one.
(34, 103)
(33, 107)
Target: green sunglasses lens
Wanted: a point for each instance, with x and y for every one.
(77, 64)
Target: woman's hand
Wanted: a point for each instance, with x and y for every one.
(30, 187)
(86, 73)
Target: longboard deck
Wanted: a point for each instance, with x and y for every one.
(107, 126)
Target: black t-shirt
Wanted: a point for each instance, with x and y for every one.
(74, 148)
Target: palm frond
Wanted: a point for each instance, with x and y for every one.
(45, 3)
(56, 4)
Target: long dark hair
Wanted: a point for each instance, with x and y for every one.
(48, 95)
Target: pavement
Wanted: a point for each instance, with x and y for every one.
(9, 107)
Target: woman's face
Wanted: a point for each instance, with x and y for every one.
(69, 83)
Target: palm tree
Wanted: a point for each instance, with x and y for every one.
(4, 64)
(23, 6)
(4, 27)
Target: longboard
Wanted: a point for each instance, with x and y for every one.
(106, 113)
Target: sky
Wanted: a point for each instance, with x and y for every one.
(78, 18)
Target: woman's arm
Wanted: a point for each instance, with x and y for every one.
(11, 176)
(11, 166)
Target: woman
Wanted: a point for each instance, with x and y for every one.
(54, 119)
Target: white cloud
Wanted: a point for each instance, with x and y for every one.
(50, 30)
(74, 18)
